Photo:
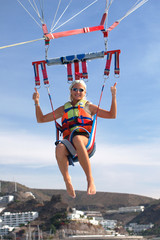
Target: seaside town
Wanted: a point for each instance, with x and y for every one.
(78, 224)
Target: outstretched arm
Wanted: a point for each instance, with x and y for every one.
(112, 113)
(41, 118)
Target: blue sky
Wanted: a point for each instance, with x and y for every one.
(128, 153)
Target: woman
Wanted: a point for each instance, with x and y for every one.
(80, 140)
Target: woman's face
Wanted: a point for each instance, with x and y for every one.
(78, 92)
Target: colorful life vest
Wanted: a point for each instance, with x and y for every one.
(74, 117)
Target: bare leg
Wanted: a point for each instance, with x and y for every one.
(80, 142)
(62, 160)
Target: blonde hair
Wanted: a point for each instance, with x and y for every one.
(73, 83)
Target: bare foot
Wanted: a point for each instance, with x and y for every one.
(91, 188)
(70, 189)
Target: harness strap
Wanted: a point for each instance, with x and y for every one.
(108, 63)
(117, 69)
(116, 62)
(69, 72)
(44, 72)
(84, 69)
(36, 74)
(76, 70)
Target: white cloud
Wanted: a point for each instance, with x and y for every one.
(144, 154)
(25, 148)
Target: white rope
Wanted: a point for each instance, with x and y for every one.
(52, 28)
(110, 4)
(35, 8)
(42, 7)
(29, 13)
(56, 14)
(76, 15)
(21, 43)
(134, 8)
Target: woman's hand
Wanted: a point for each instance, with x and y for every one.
(36, 96)
(113, 89)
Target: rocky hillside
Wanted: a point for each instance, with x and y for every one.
(101, 201)
(150, 215)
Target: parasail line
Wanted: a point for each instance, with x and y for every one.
(21, 43)
(52, 27)
(134, 8)
(29, 13)
(55, 14)
(76, 15)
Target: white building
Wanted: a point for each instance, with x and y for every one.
(136, 228)
(16, 219)
(1, 209)
(94, 214)
(131, 209)
(6, 199)
(5, 230)
(109, 224)
(77, 215)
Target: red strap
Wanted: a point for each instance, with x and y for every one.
(44, 28)
(108, 63)
(84, 73)
(69, 72)
(84, 69)
(103, 19)
(36, 72)
(115, 24)
(45, 31)
(117, 69)
(44, 72)
(74, 32)
(105, 34)
(76, 70)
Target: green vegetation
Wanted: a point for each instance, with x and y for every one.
(58, 220)
(153, 231)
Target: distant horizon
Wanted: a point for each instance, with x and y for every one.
(14, 182)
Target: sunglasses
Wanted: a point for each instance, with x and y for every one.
(78, 89)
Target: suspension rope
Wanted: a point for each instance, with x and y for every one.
(137, 5)
(35, 8)
(29, 13)
(55, 15)
(52, 28)
(108, 4)
(21, 43)
(76, 14)
(41, 3)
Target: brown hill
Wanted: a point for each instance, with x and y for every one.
(100, 201)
